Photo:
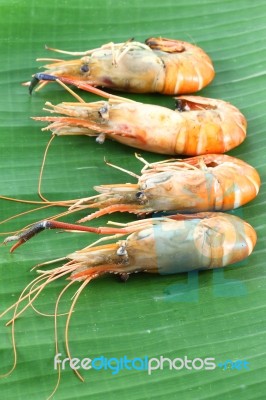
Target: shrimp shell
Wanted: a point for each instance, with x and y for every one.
(197, 126)
(212, 182)
(160, 65)
(165, 245)
(172, 245)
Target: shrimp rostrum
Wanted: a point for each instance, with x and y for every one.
(197, 126)
(160, 65)
(212, 182)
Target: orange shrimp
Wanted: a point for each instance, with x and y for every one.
(197, 126)
(159, 66)
(166, 245)
(212, 182)
(213, 240)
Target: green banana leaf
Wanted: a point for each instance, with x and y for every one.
(219, 314)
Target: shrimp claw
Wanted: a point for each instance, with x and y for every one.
(40, 77)
(24, 236)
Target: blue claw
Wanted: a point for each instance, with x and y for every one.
(40, 77)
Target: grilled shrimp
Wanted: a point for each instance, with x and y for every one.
(212, 182)
(159, 66)
(166, 245)
(197, 126)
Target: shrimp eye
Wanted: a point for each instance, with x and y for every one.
(139, 195)
(104, 112)
(179, 105)
(84, 68)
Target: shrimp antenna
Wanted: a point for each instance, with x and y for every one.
(42, 168)
(71, 53)
(16, 305)
(121, 169)
(45, 203)
(65, 203)
(76, 296)
(56, 338)
(80, 100)
(49, 59)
